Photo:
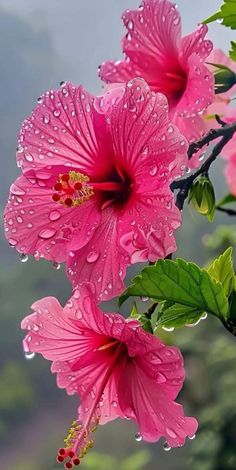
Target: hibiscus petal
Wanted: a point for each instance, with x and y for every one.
(148, 404)
(154, 32)
(53, 334)
(117, 72)
(60, 131)
(199, 92)
(36, 225)
(152, 235)
(194, 43)
(99, 262)
(140, 127)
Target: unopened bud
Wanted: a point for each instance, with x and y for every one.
(202, 196)
(225, 78)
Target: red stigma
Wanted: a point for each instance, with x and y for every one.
(68, 465)
(76, 461)
(56, 197)
(65, 177)
(58, 187)
(68, 201)
(61, 451)
(68, 455)
(78, 186)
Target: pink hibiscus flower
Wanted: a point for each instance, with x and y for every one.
(221, 102)
(117, 369)
(170, 64)
(95, 185)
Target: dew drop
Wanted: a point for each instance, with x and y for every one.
(168, 328)
(29, 355)
(166, 447)
(57, 112)
(54, 215)
(29, 158)
(138, 436)
(24, 258)
(46, 119)
(192, 437)
(40, 99)
(153, 170)
(19, 149)
(35, 327)
(144, 299)
(92, 257)
(56, 266)
(47, 233)
(130, 24)
(114, 403)
(204, 316)
(161, 378)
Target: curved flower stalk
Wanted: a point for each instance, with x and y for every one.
(94, 189)
(170, 64)
(114, 366)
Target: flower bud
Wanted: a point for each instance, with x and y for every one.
(225, 78)
(202, 196)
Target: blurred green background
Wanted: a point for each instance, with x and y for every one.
(41, 43)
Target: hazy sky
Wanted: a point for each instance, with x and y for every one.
(85, 32)
(45, 41)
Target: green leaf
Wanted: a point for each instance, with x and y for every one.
(177, 315)
(181, 282)
(227, 14)
(222, 269)
(232, 52)
(228, 199)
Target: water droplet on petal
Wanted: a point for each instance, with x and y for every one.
(56, 266)
(138, 436)
(161, 378)
(166, 447)
(114, 403)
(92, 257)
(29, 355)
(35, 327)
(23, 258)
(57, 112)
(47, 233)
(130, 24)
(192, 437)
(153, 170)
(54, 215)
(144, 299)
(46, 119)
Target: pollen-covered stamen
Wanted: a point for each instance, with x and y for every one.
(78, 438)
(72, 189)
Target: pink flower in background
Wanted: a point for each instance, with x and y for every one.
(95, 185)
(170, 64)
(221, 102)
(117, 369)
